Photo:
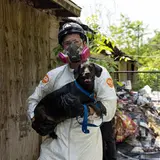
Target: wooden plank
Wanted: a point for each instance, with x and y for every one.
(3, 99)
(25, 56)
(72, 8)
(3, 83)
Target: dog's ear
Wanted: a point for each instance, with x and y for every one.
(98, 70)
(77, 72)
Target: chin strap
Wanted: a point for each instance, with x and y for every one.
(85, 123)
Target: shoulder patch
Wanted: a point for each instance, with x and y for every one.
(45, 79)
(109, 81)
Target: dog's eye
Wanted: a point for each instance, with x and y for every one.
(90, 68)
(82, 70)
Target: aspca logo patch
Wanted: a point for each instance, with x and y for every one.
(45, 79)
(109, 81)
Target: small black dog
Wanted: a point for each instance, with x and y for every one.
(67, 101)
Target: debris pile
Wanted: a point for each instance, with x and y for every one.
(137, 126)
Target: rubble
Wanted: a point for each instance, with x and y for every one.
(137, 126)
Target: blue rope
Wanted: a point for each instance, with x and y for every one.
(85, 123)
(85, 119)
(84, 91)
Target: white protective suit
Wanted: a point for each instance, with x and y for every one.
(72, 143)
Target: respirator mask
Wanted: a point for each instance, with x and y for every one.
(74, 54)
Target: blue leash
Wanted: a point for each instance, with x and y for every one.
(85, 123)
(84, 91)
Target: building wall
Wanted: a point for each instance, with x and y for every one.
(127, 73)
(27, 37)
(122, 67)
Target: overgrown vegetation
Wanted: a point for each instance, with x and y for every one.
(130, 37)
(97, 45)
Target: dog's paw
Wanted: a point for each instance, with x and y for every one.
(98, 108)
(93, 117)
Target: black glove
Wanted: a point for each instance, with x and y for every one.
(41, 124)
(71, 105)
(44, 127)
(98, 107)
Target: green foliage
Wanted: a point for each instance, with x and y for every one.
(128, 35)
(57, 49)
(106, 62)
(56, 60)
(97, 45)
(151, 79)
(125, 58)
(151, 52)
(92, 22)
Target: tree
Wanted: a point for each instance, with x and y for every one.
(128, 35)
(150, 62)
(151, 53)
(97, 45)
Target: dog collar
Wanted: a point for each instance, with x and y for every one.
(84, 91)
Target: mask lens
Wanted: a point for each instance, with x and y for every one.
(66, 44)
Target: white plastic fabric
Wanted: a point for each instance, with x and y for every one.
(72, 143)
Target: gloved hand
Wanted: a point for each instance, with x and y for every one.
(41, 124)
(98, 107)
(44, 127)
(71, 105)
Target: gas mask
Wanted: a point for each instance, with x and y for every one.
(74, 54)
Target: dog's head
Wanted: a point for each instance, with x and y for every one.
(85, 74)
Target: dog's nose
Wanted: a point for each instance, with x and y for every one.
(87, 74)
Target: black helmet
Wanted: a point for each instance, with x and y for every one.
(69, 28)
